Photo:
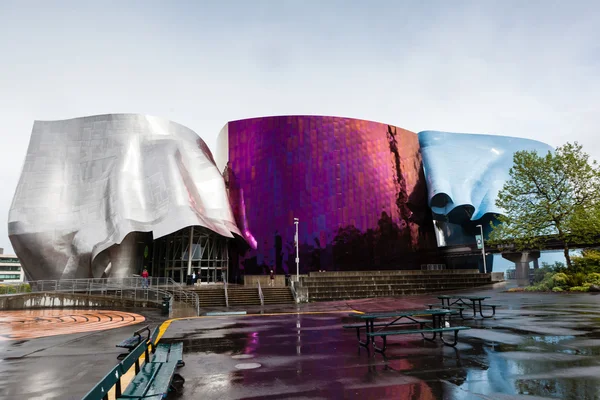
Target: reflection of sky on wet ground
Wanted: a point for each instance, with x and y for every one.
(530, 349)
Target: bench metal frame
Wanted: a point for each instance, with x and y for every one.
(437, 321)
(475, 305)
(435, 331)
(137, 334)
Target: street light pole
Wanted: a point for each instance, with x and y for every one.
(482, 249)
(296, 222)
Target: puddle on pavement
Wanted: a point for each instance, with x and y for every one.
(493, 361)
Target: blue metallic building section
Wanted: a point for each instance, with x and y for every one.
(465, 172)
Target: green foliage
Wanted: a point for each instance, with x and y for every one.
(556, 267)
(588, 262)
(579, 289)
(540, 273)
(560, 280)
(534, 289)
(12, 289)
(575, 279)
(553, 194)
(592, 279)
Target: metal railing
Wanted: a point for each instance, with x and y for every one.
(293, 288)
(260, 294)
(134, 288)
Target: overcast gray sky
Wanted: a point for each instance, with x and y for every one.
(521, 68)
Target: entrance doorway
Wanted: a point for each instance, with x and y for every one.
(194, 249)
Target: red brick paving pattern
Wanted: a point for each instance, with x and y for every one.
(30, 324)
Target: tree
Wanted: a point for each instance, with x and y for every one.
(554, 195)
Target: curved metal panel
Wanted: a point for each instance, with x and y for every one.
(89, 184)
(465, 172)
(356, 186)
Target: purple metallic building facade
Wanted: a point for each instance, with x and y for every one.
(357, 187)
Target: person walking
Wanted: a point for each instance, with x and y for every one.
(272, 279)
(145, 278)
(194, 278)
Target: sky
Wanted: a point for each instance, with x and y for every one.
(519, 68)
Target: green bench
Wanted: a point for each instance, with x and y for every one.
(434, 331)
(152, 381)
(158, 376)
(132, 342)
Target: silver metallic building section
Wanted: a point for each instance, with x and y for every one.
(89, 185)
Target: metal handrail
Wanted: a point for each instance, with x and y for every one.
(293, 288)
(260, 294)
(115, 287)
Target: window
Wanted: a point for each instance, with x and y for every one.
(10, 268)
(10, 276)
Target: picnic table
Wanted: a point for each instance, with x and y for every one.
(396, 319)
(473, 302)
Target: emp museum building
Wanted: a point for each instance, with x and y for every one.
(107, 195)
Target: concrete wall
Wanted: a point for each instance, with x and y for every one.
(497, 276)
(67, 300)
(392, 272)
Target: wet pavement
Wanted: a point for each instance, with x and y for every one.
(538, 346)
(63, 366)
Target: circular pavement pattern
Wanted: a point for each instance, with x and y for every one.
(242, 356)
(31, 324)
(248, 366)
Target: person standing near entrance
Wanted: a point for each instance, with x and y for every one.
(194, 278)
(145, 278)
(272, 279)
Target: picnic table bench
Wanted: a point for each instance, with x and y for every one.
(435, 326)
(461, 302)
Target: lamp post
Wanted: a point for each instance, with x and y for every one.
(482, 249)
(296, 222)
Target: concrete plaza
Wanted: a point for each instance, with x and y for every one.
(538, 346)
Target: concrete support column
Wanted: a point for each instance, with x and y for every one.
(522, 260)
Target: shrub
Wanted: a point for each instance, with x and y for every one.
(557, 289)
(575, 279)
(540, 274)
(592, 279)
(579, 289)
(532, 289)
(556, 267)
(11, 289)
(561, 280)
(588, 262)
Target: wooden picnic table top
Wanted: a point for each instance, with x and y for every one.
(395, 314)
(464, 297)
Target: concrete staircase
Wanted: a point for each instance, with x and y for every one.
(210, 297)
(325, 286)
(277, 295)
(243, 296)
(214, 296)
